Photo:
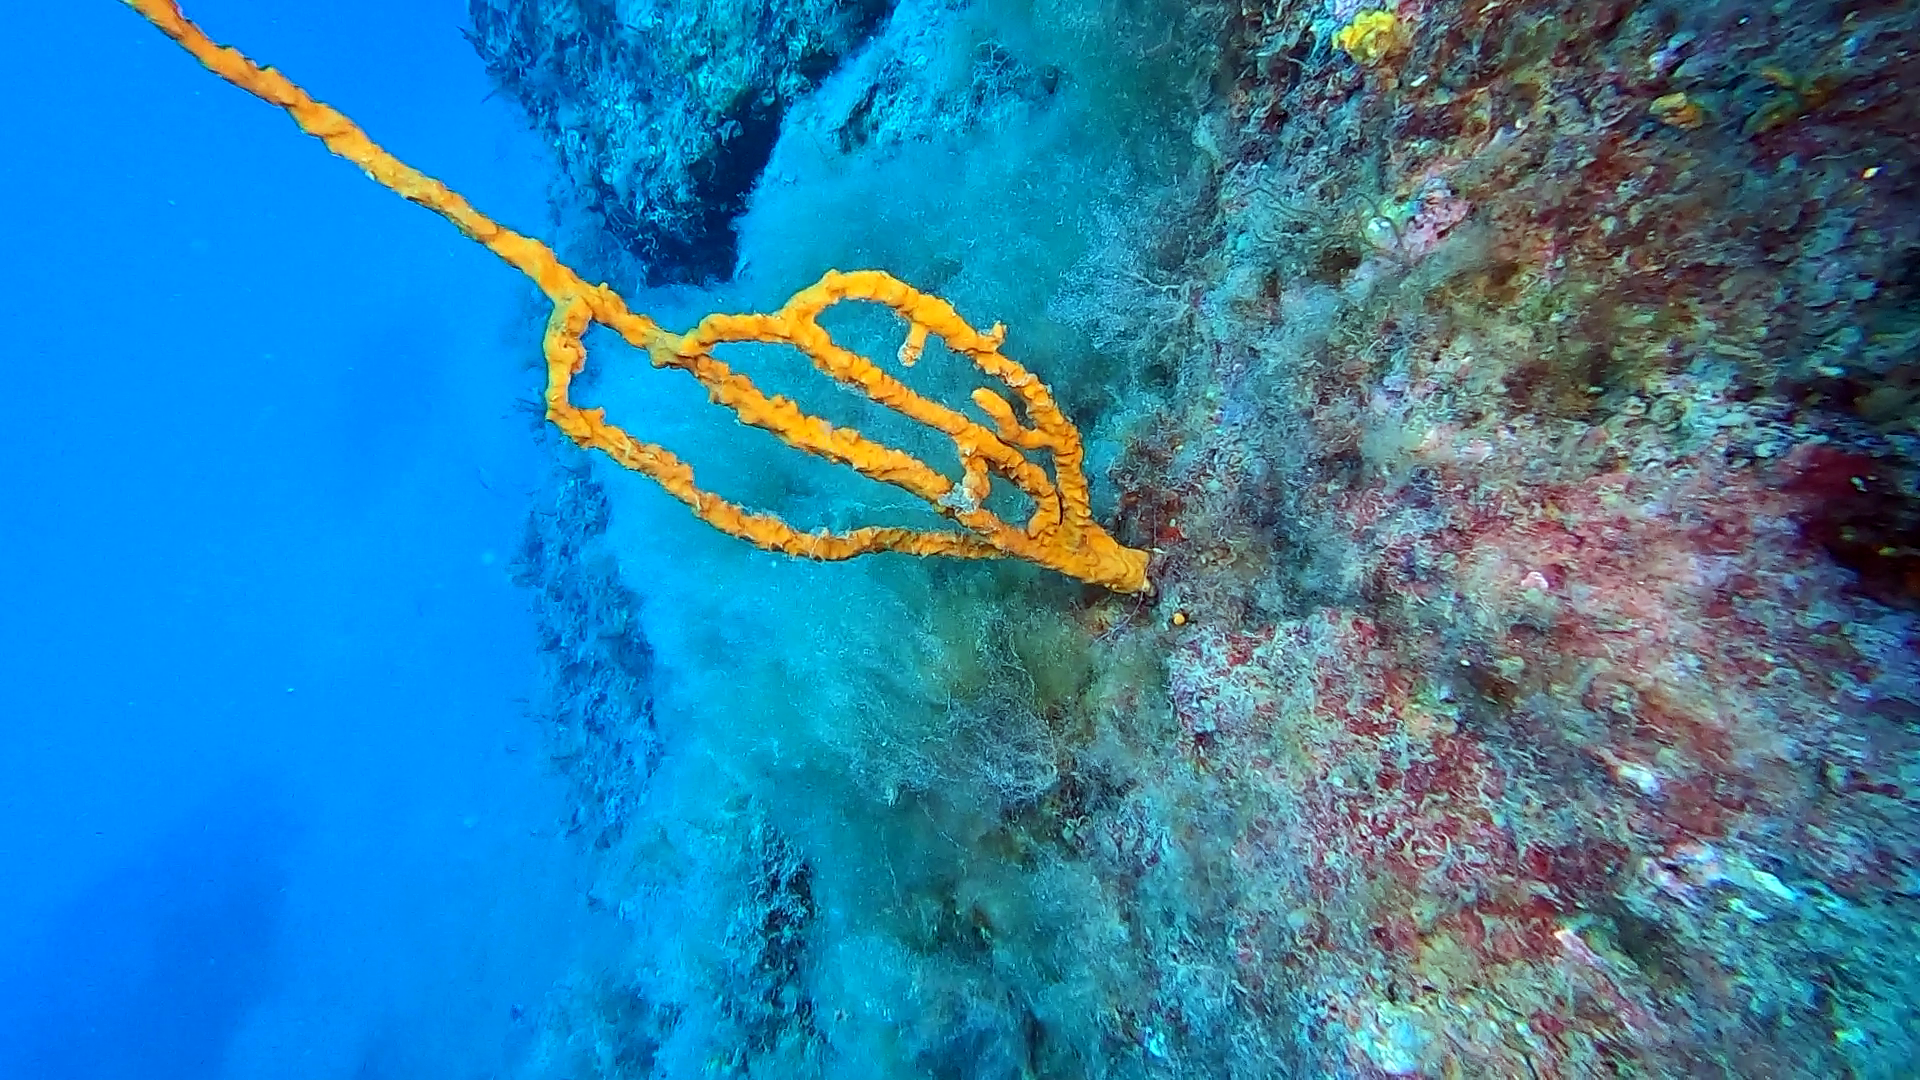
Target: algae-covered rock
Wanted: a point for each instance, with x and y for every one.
(663, 114)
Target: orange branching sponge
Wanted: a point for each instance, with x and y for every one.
(1061, 534)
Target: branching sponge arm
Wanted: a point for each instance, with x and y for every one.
(1061, 534)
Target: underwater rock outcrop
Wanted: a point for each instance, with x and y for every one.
(662, 114)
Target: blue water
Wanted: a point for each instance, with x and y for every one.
(270, 805)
